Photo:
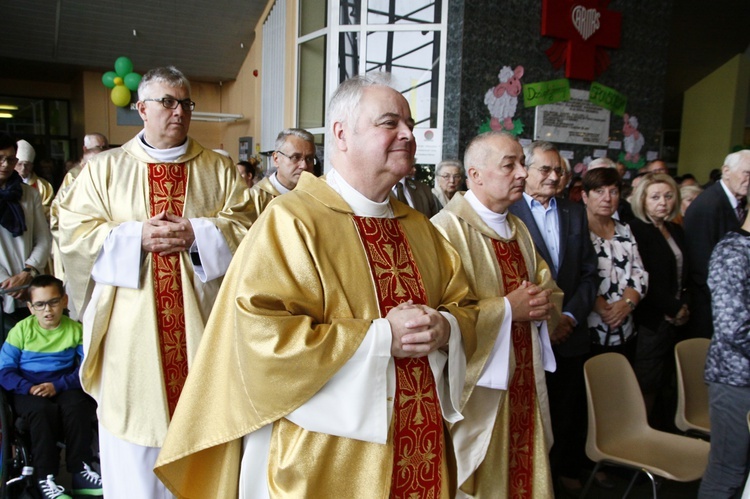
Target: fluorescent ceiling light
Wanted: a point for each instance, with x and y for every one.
(8, 107)
(216, 117)
(6, 115)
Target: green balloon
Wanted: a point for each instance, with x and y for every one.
(123, 66)
(120, 96)
(108, 79)
(132, 80)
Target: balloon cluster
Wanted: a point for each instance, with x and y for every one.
(122, 81)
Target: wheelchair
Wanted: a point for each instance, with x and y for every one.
(17, 479)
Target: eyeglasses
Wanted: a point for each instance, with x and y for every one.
(297, 157)
(9, 160)
(546, 170)
(41, 305)
(171, 103)
(450, 177)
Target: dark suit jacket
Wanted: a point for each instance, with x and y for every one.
(577, 276)
(706, 221)
(422, 197)
(659, 261)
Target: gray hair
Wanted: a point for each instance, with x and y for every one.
(344, 104)
(638, 201)
(89, 137)
(476, 155)
(449, 162)
(296, 132)
(734, 159)
(601, 163)
(541, 146)
(168, 75)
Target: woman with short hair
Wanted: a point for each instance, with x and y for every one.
(624, 280)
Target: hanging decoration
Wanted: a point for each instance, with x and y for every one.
(584, 29)
(632, 142)
(122, 81)
(502, 101)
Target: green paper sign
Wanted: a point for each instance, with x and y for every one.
(608, 98)
(546, 92)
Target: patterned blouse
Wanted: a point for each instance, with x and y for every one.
(620, 267)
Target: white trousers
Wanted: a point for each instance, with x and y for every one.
(128, 469)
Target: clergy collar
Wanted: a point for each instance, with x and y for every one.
(496, 221)
(360, 205)
(278, 185)
(169, 155)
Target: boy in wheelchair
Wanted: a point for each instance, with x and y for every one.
(39, 364)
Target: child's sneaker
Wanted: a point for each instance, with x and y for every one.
(50, 490)
(87, 482)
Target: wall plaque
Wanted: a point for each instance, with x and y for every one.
(577, 121)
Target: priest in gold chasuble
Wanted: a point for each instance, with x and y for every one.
(146, 234)
(502, 442)
(341, 331)
(294, 153)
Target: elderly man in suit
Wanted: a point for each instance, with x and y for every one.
(717, 210)
(561, 236)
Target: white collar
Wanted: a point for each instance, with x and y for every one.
(358, 202)
(279, 186)
(496, 221)
(169, 155)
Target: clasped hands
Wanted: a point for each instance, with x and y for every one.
(417, 330)
(613, 314)
(167, 233)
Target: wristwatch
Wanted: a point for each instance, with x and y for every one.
(31, 270)
(630, 303)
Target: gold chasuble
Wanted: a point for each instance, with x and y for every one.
(298, 300)
(138, 341)
(167, 187)
(417, 421)
(259, 196)
(502, 442)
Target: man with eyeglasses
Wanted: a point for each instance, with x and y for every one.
(294, 153)
(25, 239)
(147, 232)
(561, 236)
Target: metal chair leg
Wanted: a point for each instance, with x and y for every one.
(590, 480)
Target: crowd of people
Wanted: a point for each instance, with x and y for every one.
(250, 333)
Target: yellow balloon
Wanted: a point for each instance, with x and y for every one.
(120, 96)
(119, 81)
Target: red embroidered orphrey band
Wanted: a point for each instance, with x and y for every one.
(522, 391)
(417, 419)
(167, 193)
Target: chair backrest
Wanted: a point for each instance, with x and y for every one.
(692, 392)
(615, 402)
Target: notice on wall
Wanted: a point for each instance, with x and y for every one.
(429, 145)
(577, 121)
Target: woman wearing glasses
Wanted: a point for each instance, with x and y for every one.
(449, 176)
